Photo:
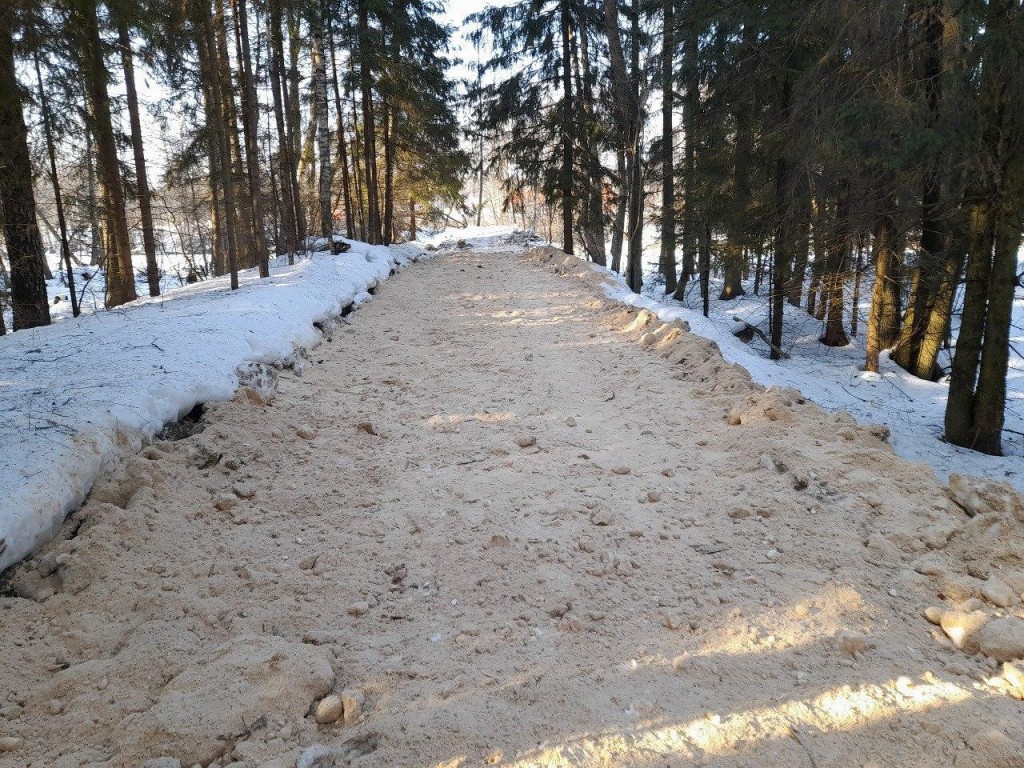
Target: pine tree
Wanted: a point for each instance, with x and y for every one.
(533, 105)
(117, 260)
(17, 197)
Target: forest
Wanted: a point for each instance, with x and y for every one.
(277, 120)
(806, 147)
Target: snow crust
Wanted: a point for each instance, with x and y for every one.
(76, 394)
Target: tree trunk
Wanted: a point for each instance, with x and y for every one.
(782, 257)
(733, 258)
(619, 224)
(58, 197)
(627, 111)
(357, 170)
(389, 176)
(931, 257)
(245, 224)
(208, 39)
(975, 414)
(346, 181)
(373, 224)
(817, 299)
(990, 396)
(293, 115)
(668, 189)
(835, 271)
(881, 334)
(145, 206)
(802, 245)
(939, 314)
(963, 377)
(704, 262)
(17, 198)
(118, 259)
(95, 251)
(858, 271)
(691, 105)
(326, 173)
(566, 130)
(593, 227)
(250, 131)
(278, 86)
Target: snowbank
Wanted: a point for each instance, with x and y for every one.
(74, 394)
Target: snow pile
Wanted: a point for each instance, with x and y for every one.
(76, 394)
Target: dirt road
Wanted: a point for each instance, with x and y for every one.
(515, 525)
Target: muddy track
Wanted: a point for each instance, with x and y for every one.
(521, 526)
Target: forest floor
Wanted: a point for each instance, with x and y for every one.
(511, 522)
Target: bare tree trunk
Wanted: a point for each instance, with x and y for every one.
(704, 264)
(17, 198)
(373, 223)
(250, 130)
(145, 206)
(58, 197)
(245, 225)
(95, 254)
(208, 40)
(691, 105)
(326, 172)
(278, 85)
(858, 271)
(593, 225)
(975, 414)
(668, 189)
(627, 110)
(835, 271)
(293, 115)
(881, 334)
(782, 258)
(802, 245)
(566, 130)
(990, 396)
(931, 257)
(389, 176)
(619, 224)
(816, 305)
(118, 258)
(346, 181)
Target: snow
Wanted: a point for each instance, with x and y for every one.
(74, 394)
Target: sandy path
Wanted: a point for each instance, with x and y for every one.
(669, 572)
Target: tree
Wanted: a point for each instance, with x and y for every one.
(141, 180)
(17, 197)
(668, 182)
(117, 260)
(532, 107)
(629, 119)
(995, 202)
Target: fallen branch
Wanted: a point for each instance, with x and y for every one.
(761, 335)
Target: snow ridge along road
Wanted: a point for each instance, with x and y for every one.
(83, 393)
(505, 520)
